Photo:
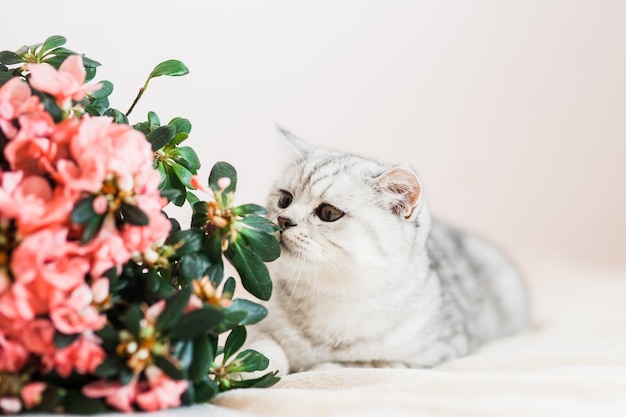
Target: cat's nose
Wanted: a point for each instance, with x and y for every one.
(285, 222)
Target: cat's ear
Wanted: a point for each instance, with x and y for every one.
(401, 190)
(300, 146)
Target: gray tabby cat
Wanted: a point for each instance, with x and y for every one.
(366, 278)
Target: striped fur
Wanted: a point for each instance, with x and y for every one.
(384, 285)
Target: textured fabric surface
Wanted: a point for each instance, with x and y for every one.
(571, 361)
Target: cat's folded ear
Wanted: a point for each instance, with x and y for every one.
(400, 190)
(300, 146)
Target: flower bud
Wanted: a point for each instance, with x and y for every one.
(100, 204)
(223, 183)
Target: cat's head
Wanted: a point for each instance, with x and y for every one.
(338, 210)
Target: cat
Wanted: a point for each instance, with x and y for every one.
(366, 278)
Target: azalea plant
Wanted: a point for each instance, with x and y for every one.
(107, 303)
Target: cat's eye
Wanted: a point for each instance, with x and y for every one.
(285, 199)
(328, 213)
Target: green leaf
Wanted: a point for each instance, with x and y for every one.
(49, 400)
(196, 323)
(90, 74)
(182, 125)
(255, 312)
(249, 361)
(160, 137)
(50, 105)
(249, 209)
(96, 106)
(154, 121)
(183, 351)
(170, 369)
(126, 375)
(188, 241)
(134, 215)
(193, 266)
(104, 91)
(234, 341)
(171, 67)
(10, 58)
(229, 287)
(118, 116)
(260, 223)
(188, 397)
(183, 174)
(132, 317)
(220, 170)
(199, 216)
(63, 340)
(153, 281)
(173, 183)
(171, 194)
(173, 310)
(265, 381)
(76, 403)
(263, 244)
(206, 390)
(254, 275)
(111, 366)
(186, 157)
(192, 198)
(203, 355)
(4, 77)
(51, 43)
(215, 273)
(213, 248)
(92, 229)
(143, 127)
(83, 211)
(109, 336)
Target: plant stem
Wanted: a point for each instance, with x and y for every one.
(141, 90)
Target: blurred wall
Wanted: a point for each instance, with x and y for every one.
(512, 112)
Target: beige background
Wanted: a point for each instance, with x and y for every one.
(511, 111)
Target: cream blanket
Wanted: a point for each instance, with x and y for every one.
(571, 362)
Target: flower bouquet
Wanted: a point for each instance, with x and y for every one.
(106, 303)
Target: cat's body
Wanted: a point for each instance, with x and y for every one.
(366, 278)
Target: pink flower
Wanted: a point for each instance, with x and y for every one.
(100, 290)
(76, 314)
(29, 299)
(118, 396)
(141, 238)
(197, 183)
(194, 303)
(13, 94)
(15, 309)
(10, 405)
(104, 150)
(31, 393)
(13, 355)
(64, 84)
(49, 256)
(153, 312)
(28, 155)
(9, 208)
(107, 249)
(34, 120)
(83, 355)
(38, 336)
(40, 205)
(161, 391)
